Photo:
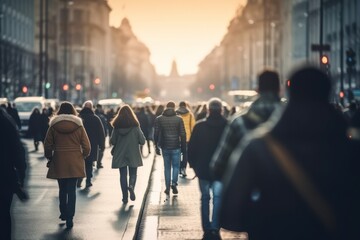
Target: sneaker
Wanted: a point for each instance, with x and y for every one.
(99, 166)
(167, 191)
(132, 193)
(69, 223)
(174, 189)
(88, 184)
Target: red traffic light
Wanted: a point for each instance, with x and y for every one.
(97, 81)
(212, 87)
(66, 87)
(78, 87)
(24, 89)
(324, 59)
(341, 94)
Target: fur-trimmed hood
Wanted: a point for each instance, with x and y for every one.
(66, 123)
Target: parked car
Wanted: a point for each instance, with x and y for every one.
(25, 106)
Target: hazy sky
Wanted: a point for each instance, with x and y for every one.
(184, 30)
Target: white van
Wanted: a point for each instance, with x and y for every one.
(25, 106)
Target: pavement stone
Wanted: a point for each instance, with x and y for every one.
(175, 216)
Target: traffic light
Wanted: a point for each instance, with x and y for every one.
(341, 94)
(47, 85)
(325, 63)
(324, 60)
(350, 57)
(78, 87)
(212, 87)
(66, 87)
(97, 81)
(24, 89)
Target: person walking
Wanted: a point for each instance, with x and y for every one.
(170, 137)
(126, 139)
(35, 128)
(12, 171)
(66, 146)
(297, 176)
(100, 113)
(203, 142)
(44, 124)
(95, 132)
(144, 122)
(258, 113)
(189, 122)
(13, 112)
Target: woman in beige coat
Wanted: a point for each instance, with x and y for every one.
(66, 146)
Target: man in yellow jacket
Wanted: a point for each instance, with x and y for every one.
(189, 122)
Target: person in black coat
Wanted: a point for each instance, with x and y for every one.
(12, 171)
(296, 178)
(13, 112)
(202, 144)
(144, 121)
(96, 134)
(35, 128)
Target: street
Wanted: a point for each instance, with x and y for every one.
(100, 213)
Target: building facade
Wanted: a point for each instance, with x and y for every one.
(16, 48)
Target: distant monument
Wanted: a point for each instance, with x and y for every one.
(174, 72)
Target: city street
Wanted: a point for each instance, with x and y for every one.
(100, 213)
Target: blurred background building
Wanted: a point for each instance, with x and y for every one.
(66, 49)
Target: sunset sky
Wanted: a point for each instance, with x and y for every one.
(184, 30)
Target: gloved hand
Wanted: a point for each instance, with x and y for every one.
(157, 151)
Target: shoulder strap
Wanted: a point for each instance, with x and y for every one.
(301, 182)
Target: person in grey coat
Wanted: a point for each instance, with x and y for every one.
(126, 139)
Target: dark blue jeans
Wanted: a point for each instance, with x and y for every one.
(206, 187)
(124, 180)
(67, 196)
(171, 162)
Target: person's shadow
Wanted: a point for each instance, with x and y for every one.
(61, 234)
(123, 216)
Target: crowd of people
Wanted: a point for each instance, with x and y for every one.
(276, 171)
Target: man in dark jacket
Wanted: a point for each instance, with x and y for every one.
(95, 132)
(12, 171)
(100, 113)
(258, 113)
(203, 142)
(170, 136)
(298, 177)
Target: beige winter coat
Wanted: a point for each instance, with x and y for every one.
(66, 145)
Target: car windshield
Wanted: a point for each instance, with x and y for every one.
(27, 106)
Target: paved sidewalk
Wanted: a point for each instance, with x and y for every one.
(175, 216)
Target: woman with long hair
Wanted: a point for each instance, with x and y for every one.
(66, 147)
(126, 139)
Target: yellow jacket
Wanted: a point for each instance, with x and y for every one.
(189, 121)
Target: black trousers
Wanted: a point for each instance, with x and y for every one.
(5, 217)
(67, 197)
(124, 180)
